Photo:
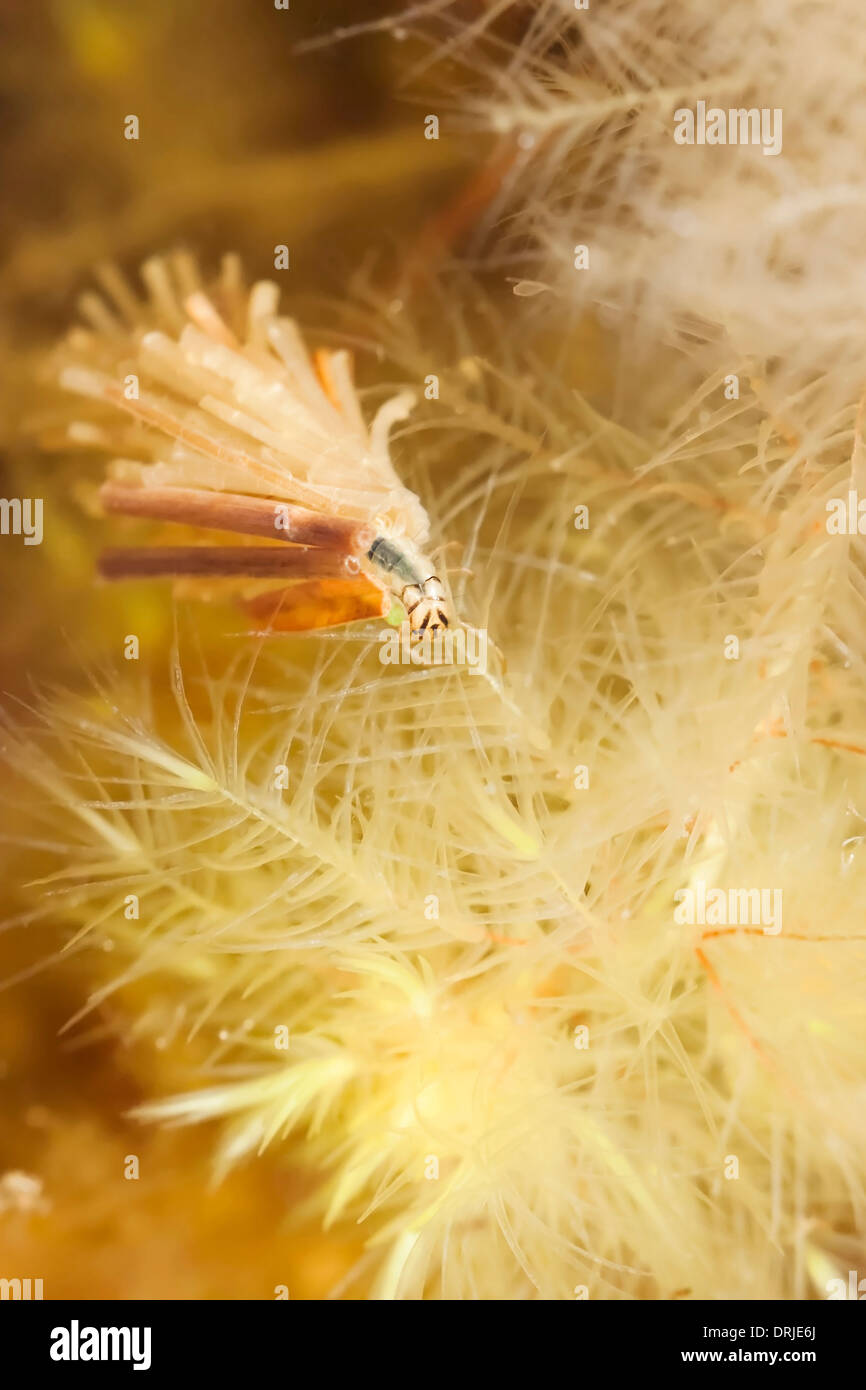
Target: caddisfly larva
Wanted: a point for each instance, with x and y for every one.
(238, 430)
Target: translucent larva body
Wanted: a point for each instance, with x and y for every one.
(409, 576)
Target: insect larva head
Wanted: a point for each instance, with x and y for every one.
(427, 606)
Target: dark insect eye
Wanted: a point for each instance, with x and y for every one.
(423, 623)
(442, 617)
